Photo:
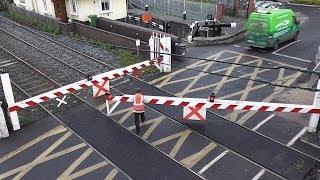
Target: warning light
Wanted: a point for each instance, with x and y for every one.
(212, 97)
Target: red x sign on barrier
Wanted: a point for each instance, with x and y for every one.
(99, 90)
(137, 73)
(195, 113)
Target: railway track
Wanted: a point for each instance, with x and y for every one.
(73, 65)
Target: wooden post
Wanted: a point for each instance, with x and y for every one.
(236, 5)
(251, 7)
(219, 11)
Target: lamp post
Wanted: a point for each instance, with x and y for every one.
(212, 97)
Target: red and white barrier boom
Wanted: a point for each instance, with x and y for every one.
(99, 83)
(194, 108)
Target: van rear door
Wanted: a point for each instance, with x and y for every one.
(258, 29)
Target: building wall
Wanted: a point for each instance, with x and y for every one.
(118, 9)
(37, 6)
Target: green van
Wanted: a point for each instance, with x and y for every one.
(271, 27)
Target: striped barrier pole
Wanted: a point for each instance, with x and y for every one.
(221, 104)
(97, 81)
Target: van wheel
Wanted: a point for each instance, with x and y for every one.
(276, 45)
(296, 36)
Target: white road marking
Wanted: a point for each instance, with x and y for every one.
(263, 122)
(305, 19)
(309, 143)
(61, 101)
(259, 174)
(291, 57)
(213, 161)
(247, 48)
(236, 46)
(298, 136)
(8, 64)
(125, 81)
(286, 46)
(4, 62)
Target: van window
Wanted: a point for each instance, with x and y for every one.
(258, 26)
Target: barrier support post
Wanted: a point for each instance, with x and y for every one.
(314, 118)
(109, 111)
(3, 125)
(8, 93)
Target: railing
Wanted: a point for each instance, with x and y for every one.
(194, 10)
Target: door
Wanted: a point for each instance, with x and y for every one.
(60, 10)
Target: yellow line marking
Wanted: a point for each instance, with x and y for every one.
(192, 160)
(120, 111)
(67, 173)
(43, 155)
(224, 78)
(169, 76)
(279, 79)
(227, 81)
(182, 137)
(87, 170)
(167, 81)
(196, 78)
(63, 152)
(112, 174)
(155, 123)
(248, 115)
(270, 60)
(206, 74)
(48, 158)
(253, 88)
(234, 115)
(125, 117)
(56, 130)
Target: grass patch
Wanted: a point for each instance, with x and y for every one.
(309, 2)
(32, 22)
(24, 121)
(124, 57)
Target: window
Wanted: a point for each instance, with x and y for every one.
(45, 5)
(73, 6)
(105, 5)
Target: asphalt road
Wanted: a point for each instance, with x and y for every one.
(272, 155)
(138, 159)
(154, 155)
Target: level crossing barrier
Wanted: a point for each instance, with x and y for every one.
(197, 106)
(161, 58)
(99, 84)
(193, 108)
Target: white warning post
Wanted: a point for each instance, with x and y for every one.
(8, 93)
(3, 125)
(314, 118)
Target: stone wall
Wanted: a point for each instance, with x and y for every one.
(129, 30)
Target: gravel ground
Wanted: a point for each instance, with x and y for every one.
(51, 48)
(49, 65)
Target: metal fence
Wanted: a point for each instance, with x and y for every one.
(194, 10)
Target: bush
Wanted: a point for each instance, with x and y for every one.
(126, 58)
(28, 20)
(24, 121)
(309, 2)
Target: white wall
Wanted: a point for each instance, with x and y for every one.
(118, 9)
(50, 8)
(28, 5)
(37, 6)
